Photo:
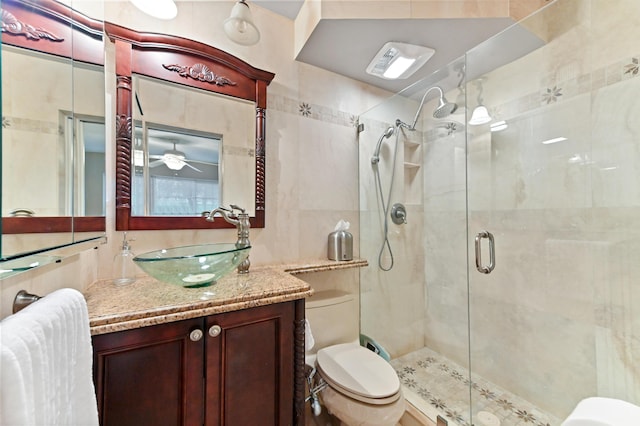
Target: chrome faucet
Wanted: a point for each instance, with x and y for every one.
(241, 221)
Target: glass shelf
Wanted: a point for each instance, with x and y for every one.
(13, 265)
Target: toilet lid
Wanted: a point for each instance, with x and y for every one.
(358, 370)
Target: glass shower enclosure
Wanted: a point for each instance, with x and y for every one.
(511, 291)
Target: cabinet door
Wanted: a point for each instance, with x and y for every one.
(249, 367)
(150, 376)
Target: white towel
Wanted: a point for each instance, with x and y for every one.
(45, 364)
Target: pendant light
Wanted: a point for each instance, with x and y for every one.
(480, 114)
(161, 9)
(239, 26)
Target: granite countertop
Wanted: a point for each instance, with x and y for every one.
(148, 302)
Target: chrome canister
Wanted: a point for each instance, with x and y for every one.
(340, 246)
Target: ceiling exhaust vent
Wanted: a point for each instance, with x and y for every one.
(398, 60)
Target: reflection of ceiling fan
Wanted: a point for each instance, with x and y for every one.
(173, 159)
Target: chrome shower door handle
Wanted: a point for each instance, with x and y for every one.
(492, 252)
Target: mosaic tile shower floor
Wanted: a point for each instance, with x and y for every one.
(439, 386)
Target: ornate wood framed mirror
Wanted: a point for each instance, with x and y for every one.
(190, 132)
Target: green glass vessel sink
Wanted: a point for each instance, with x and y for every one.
(192, 266)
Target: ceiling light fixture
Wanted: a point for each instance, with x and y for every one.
(161, 9)
(398, 67)
(239, 26)
(480, 114)
(175, 160)
(398, 60)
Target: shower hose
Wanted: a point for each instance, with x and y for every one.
(385, 206)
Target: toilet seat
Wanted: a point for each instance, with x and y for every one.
(359, 373)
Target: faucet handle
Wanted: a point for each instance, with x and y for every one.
(236, 207)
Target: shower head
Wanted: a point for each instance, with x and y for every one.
(386, 135)
(444, 108)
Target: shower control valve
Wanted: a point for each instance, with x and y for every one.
(399, 214)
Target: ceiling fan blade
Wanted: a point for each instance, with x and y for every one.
(194, 168)
(156, 163)
(207, 163)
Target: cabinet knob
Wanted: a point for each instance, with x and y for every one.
(215, 331)
(195, 335)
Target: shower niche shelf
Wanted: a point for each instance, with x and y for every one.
(412, 175)
(411, 166)
(412, 154)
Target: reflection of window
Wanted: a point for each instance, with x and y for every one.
(176, 171)
(175, 196)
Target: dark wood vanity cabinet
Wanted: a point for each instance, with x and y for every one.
(150, 376)
(234, 369)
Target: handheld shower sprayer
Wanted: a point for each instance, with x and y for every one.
(385, 204)
(386, 135)
(444, 108)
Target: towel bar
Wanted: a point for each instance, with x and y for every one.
(23, 299)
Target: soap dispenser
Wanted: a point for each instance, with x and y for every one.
(123, 266)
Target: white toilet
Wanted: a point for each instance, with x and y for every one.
(363, 388)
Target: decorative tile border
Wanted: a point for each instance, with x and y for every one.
(632, 68)
(313, 111)
(553, 90)
(444, 385)
(30, 125)
(239, 151)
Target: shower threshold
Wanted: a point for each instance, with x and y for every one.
(438, 386)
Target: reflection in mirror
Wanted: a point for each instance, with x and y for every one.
(91, 184)
(35, 110)
(53, 144)
(209, 130)
(52, 127)
(84, 166)
(180, 176)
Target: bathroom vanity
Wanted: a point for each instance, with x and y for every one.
(234, 368)
(229, 354)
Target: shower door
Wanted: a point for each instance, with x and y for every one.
(557, 189)
(417, 310)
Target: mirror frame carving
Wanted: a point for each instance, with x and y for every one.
(189, 63)
(54, 28)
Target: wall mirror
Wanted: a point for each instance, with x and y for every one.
(53, 139)
(190, 132)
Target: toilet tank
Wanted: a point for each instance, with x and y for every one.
(333, 317)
